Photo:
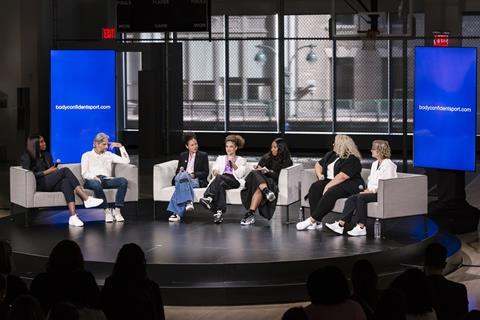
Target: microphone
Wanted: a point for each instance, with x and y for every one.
(57, 162)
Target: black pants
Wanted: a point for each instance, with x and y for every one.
(61, 180)
(217, 190)
(358, 202)
(321, 204)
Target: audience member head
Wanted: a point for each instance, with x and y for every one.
(279, 148)
(364, 279)
(327, 286)
(233, 142)
(63, 311)
(295, 313)
(5, 257)
(100, 142)
(3, 288)
(435, 258)
(35, 142)
(65, 257)
(25, 307)
(131, 265)
(190, 142)
(414, 285)
(344, 146)
(391, 306)
(381, 149)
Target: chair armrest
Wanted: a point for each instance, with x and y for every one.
(129, 172)
(163, 173)
(403, 196)
(289, 184)
(308, 177)
(22, 186)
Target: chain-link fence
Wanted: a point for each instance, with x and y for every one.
(236, 81)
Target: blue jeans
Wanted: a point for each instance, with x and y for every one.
(120, 184)
(184, 185)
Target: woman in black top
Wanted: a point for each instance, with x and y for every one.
(261, 188)
(50, 178)
(339, 177)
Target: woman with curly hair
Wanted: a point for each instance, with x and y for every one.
(338, 174)
(261, 186)
(228, 173)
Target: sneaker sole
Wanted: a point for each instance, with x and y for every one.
(205, 204)
(189, 210)
(91, 205)
(333, 230)
(246, 223)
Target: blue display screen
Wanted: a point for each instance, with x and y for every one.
(82, 101)
(445, 108)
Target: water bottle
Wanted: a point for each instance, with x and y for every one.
(377, 229)
(300, 215)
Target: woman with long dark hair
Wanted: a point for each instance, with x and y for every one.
(50, 178)
(261, 184)
(128, 293)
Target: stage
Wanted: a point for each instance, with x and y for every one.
(199, 263)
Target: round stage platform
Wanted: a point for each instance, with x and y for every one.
(199, 263)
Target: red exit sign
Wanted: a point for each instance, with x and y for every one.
(440, 39)
(108, 33)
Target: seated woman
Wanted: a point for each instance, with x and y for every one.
(228, 173)
(382, 168)
(261, 190)
(49, 178)
(342, 168)
(192, 172)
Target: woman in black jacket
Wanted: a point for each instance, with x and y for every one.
(261, 184)
(338, 174)
(192, 172)
(50, 178)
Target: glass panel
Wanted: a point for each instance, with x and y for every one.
(218, 30)
(308, 79)
(253, 77)
(471, 28)
(362, 86)
(203, 85)
(133, 64)
(307, 26)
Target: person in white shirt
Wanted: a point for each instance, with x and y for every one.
(228, 171)
(97, 172)
(382, 168)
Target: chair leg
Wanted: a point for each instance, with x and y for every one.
(26, 218)
(154, 213)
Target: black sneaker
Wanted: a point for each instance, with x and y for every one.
(248, 219)
(218, 216)
(206, 202)
(269, 195)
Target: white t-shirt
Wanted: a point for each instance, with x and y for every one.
(94, 164)
(330, 171)
(386, 170)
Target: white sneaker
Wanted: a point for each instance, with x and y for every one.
(315, 226)
(189, 208)
(335, 227)
(92, 202)
(174, 218)
(357, 231)
(304, 224)
(117, 215)
(75, 221)
(108, 215)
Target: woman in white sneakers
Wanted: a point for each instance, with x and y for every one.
(50, 178)
(382, 168)
(228, 172)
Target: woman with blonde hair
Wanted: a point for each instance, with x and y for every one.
(338, 174)
(382, 168)
(228, 173)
